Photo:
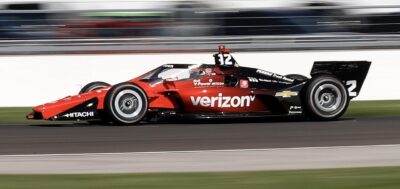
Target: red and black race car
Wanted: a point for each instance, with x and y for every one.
(220, 90)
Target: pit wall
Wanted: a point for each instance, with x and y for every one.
(32, 80)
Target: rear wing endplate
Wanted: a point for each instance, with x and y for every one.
(352, 73)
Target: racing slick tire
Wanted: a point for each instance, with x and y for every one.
(93, 86)
(325, 98)
(297, 77)
(126, 104)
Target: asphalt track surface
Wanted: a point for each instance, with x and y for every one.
(83, 138)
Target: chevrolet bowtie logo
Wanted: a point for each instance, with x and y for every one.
(286, 94)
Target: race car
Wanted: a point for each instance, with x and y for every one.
(220, 90)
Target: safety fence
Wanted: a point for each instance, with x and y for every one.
(195, 26)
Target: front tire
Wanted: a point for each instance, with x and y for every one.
(93, 86)
(326, 98)
(126, 104)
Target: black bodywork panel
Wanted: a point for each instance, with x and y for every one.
(276, 84)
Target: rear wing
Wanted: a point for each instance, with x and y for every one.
(352, 73)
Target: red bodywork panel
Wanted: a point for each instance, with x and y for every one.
(51, 109)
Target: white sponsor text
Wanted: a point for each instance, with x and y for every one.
(222, 101)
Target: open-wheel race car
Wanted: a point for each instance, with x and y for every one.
(220, 90)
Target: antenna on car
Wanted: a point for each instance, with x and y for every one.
(222, 49)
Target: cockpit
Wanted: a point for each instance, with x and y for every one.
(176, 72)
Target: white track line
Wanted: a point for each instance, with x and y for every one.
(204, 160)
(200, 151)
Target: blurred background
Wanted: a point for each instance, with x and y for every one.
(71, 26)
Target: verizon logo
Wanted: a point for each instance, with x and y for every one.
(222, 101)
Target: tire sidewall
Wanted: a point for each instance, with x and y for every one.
(109, 104)
(93, 86)
(310, 102)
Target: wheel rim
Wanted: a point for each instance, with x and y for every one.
(328, 98)
(128, 103)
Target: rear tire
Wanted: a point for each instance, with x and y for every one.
(126, 104)
(325, 98)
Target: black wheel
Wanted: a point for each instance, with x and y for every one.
(325, 98)
(93, 86)
(126, 104)
(297, 77)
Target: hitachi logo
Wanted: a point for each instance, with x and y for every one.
(79, 114)
(222, 101)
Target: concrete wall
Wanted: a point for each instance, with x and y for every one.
(32, 80)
